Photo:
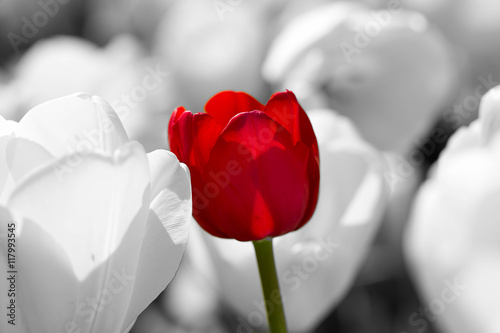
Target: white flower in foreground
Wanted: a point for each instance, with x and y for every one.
(317, 263)
(390, 72)
(101, 225)
(452, 242)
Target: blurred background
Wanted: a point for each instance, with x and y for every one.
(407, 74)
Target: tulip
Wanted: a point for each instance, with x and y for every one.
(471, 27)
(390, 72)
(101, 226)
(317, 264)
(452, 240)
(138, 87)
(255, 168)
(255, 174)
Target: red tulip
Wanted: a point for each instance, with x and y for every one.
(254, 168)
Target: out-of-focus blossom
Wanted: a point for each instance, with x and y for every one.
(318, 263)
(109, 18)
(213, 46)
(101, 225)
(404, 179)
(391, 72)
(452, 243)
(138, 87)
(471, 24)
(191, 300)
(473, 27)
(255, 168)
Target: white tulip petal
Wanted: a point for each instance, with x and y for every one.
(81, 233)
(366, 201)
(7, 127)
(165, 239)
(330, 126)
(6, 180)
(45, 270)
(301, 34)
(75, 123)
(173, 205)
(129, 327)
(342, 172)
(19, 157)
(158, 262)
(344, 165)
(23, 156)
(465, 138)
(162, 166)
(489, 114)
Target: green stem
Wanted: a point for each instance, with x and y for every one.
(270, 285)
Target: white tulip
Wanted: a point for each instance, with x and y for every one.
(453, 236)
(389, 71)
(318, 263)
(101, 226)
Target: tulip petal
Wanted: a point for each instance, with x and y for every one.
(23, 155)
(226, 104)
(160, 257)
(256, 183)
(52, 264)
(88, 226)
(173, 205)
(284, 108)
(489, 114)
(314, 180)
(192, 137)
(75, 123)
(19, 157)
(163, 166)
(7, 127)
(6, 180)
(176, 115)
(330, 126)
(166, 236)
(302, 34)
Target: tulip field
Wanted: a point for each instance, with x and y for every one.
(236, 166)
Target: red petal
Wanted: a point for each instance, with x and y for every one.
(192, 136)
(284, 108)
(313, 173)
(225, 105)
(200, 203)
(173, 119)
(256, 183)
